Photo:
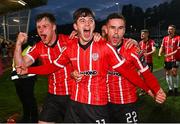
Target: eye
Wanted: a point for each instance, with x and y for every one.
(121, 27)
(38, 27)
(81, 20)
(92, 20)
(112, 27)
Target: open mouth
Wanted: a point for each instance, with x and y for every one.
(43, 36)
(115, 39)
(86, 33)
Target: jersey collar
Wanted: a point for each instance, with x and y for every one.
(85, 46)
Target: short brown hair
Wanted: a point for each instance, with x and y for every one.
(49, 16)
(145, 30)
(172, 26)
(83, 12)
(115, 16)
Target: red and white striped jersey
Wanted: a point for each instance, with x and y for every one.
(177, 55)
(169, 46)
(147, 47)
(93, 62)
(120, 89)
(59, 82)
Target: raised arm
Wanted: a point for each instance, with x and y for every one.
(18, 58)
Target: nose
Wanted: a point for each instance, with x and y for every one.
(87, 23)
(116, 31)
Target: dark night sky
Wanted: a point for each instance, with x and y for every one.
(63, 9)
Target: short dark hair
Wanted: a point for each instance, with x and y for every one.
(115, 16)
(145, 30)
(83, 12)
(171, 25)
(49, 16)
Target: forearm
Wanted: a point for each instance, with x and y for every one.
(18, 58)
(151, 81)
(151, 52)
(43, 69)
(132, 76)
(160, 51)
(172, 53)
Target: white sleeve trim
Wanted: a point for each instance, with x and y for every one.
(119, 64)
(30, 57)
(142, 69)
(59, 65)
(121, 61)
(114, 52)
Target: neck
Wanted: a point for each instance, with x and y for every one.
(145, 39)
(119, 44)
(171, 35)
(82, 42)
(54, 38)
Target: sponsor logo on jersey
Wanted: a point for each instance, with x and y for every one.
(95, 56)
(87, 73)
(114, 73)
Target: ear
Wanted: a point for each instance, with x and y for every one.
(106, 30)
(124, 30)
(54, 27)
(75, 26)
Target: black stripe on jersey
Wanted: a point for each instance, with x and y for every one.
(53, 45)
(85, 46)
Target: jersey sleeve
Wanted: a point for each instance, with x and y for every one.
(63, 58)
(153, 43)
(177, 54)
(162, 44)
(60, 62)
(138, 60)
(136, 56)
(151, 81)
(123, 68)
(43, 69)
(34, 52)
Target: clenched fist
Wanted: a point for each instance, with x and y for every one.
(21, 38)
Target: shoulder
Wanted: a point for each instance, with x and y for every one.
(165, 38)
(101, 43)
(65, 40)
(63, 37)
(135, 50)
(38, 45)
(151, 41)
(177, 37)
(140, 42)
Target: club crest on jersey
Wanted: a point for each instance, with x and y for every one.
(95, 56)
